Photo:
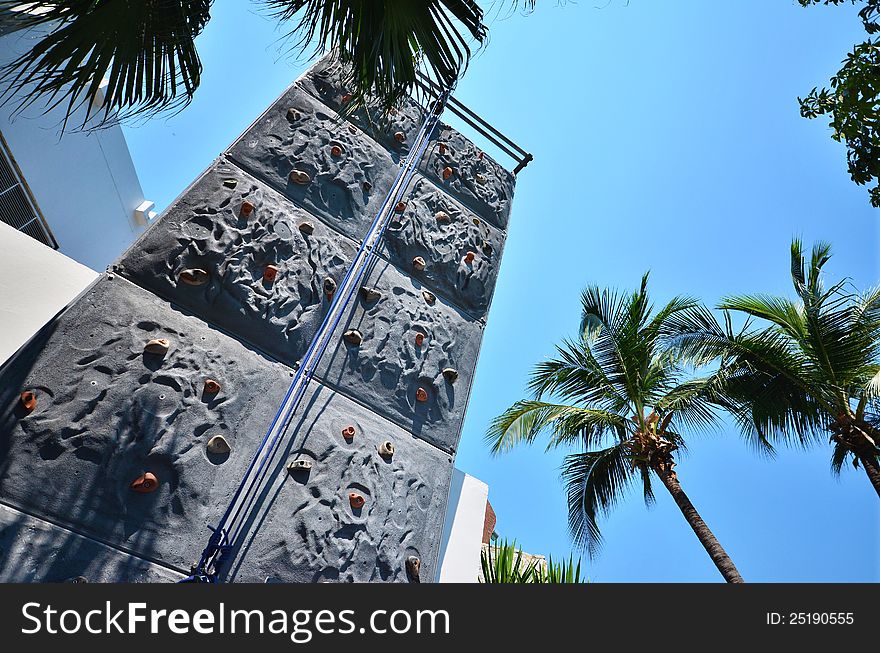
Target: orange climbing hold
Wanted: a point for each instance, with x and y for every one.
(211, 387)
(270, 273)
(469, 257)
(194, 277)
(348, 432)
(346, 98)
(356, 500)
(145, 483)
(28, 400)
(421, 395)
(401, 207)
(399, 137)
(336, 151)
(420, 339)
(447, 173)
(246, 209)
(442, 148)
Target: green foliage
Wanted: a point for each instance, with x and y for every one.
(147, 47)
(621, 397)
(504, 563)
(810, 369)
(853, 101)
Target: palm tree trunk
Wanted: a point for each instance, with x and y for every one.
(869, 463)
(707, 538)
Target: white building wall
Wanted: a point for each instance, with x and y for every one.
(463, 531)
(36, 282)
(84, 183)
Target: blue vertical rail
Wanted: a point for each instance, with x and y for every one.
(222, 543)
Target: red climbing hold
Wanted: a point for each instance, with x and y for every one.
(421, 395)
(348, 432)
(420, 339)
(145, 483)
(28, 401)
(356, 500)
(469, 257)
(211, 387)
(447, 173)
(270, 273)
(246, 209)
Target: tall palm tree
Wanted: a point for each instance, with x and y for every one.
(147, 50)
(812, 373)
(625, 401)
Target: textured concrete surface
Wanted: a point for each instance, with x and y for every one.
(477, 179)
(108, 412)
(443, 232)
(306, 528)
(35, 551)
(298, 133)
(205, 229)
(388, 368)
(323, 81)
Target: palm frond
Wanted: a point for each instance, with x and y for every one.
(525, 420)
(595, 481)
(385, 42)
(145, 49)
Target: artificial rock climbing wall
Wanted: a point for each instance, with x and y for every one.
(127, 422)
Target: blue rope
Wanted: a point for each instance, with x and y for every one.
(220, 545)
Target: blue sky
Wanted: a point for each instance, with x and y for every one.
(666, 137)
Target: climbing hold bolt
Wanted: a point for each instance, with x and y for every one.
(348, 432)
(421, 395)
(370, 294)
(353, 337)
(211, 387)
(441, 216)
(145, 483)
(336, 151)
(356, 500)
(419, 263)
(429, 296)
(469, 257)
(420, 339)
(28, 400)
(450, 374)
(400, 137)
(400, 207)
(218, 445)
(157, 346)
(299, 177)
(246, 209)
(270, 272)
(386, 449)
(447, 173)
(307, 228)
(194, 277)
(329, 287)
(413, 567)
(299, 466)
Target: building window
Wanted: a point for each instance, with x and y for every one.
(17, 208)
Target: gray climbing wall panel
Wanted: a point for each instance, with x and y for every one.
(236, 277)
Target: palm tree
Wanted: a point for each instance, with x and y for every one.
(626, 399)
(147, 50)
(812, 373)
